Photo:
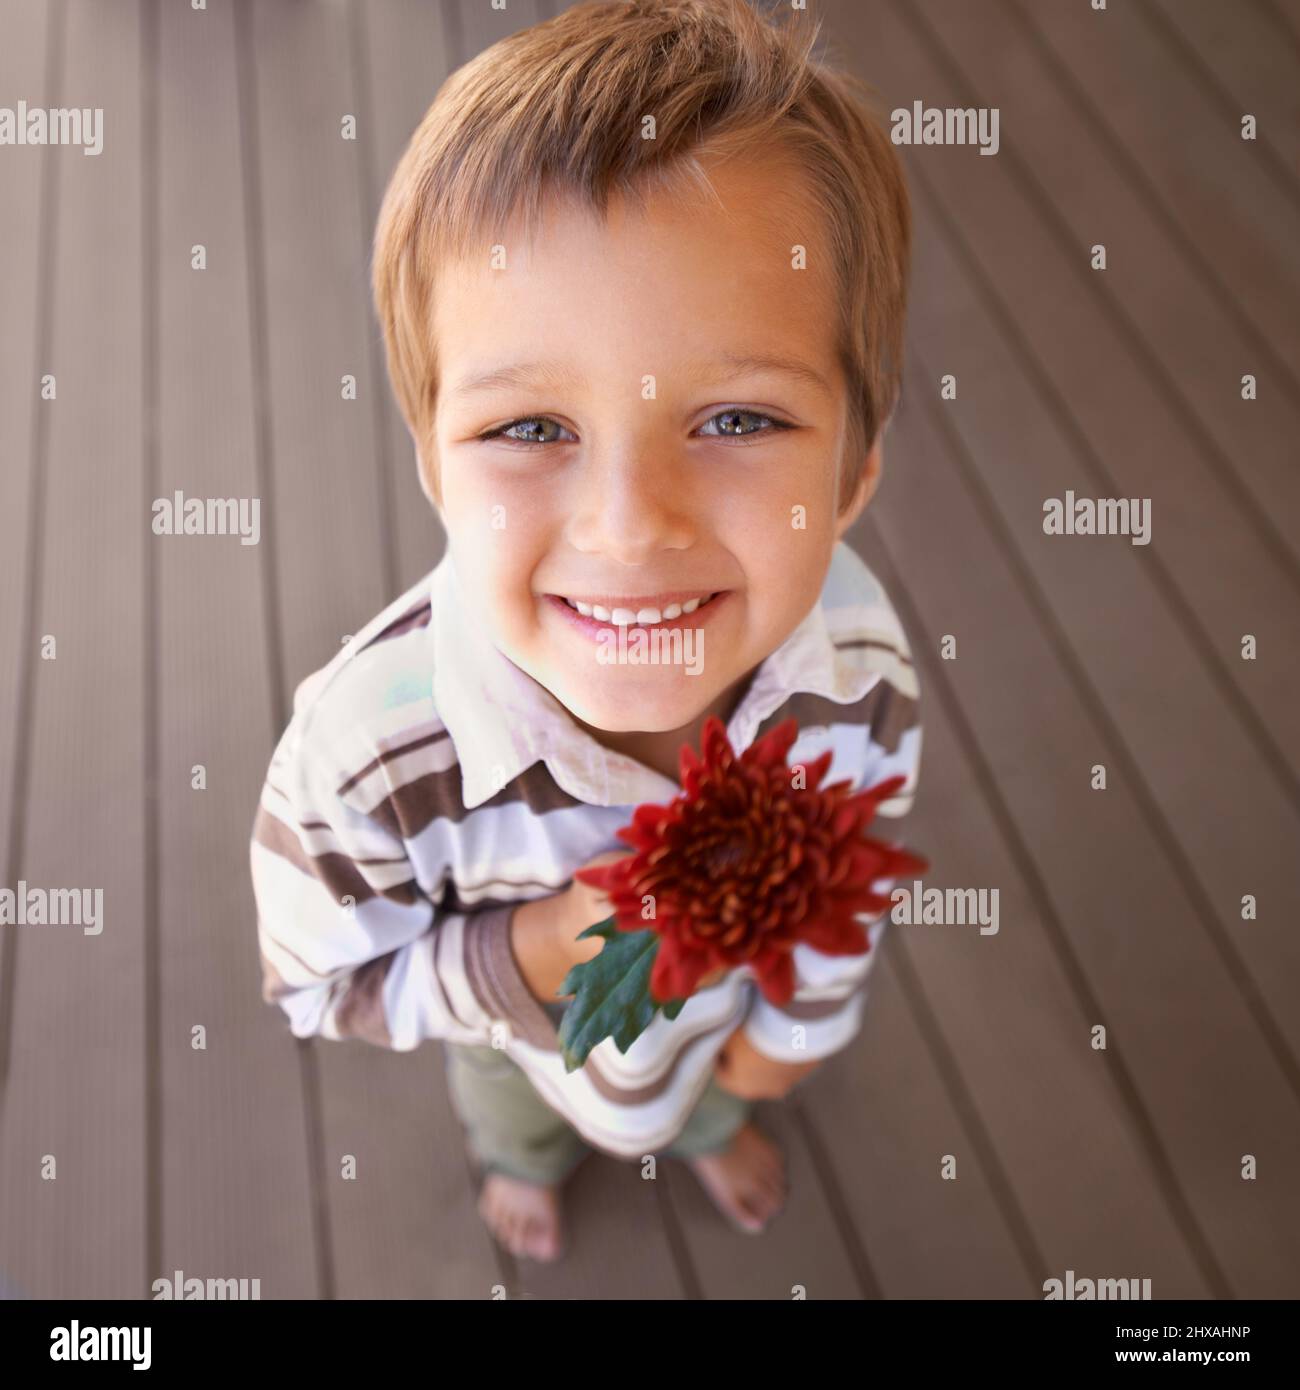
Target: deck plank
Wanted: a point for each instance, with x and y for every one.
(1202, 1068)
(330, 540)
(75, 1088)
(404, 59)
(802, 1245)
(1196, 350)
(1054, 1110)
(1233, 832)
(1242, 69)
(1113, 620)
(1226, 583)
(885, 1122)
(23, 193)
(479, 24)
(1285, 15)
(235, 1196)
(1113, 615)
(1227, 202)
(616, 1243)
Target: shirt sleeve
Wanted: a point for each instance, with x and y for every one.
(824, 1013)
(351, 946)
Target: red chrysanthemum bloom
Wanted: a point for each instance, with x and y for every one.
(743, 864)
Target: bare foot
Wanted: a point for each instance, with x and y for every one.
(746, 1181)
(523, 1216)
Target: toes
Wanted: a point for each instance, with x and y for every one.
(517, 1224)
(552, 1245)
(534, 1239)
(748, 1182)
(539, 1236)
(749, 1219)
(774, 1185)
(762, 1203)
(508, 1228)
(769, 1175)
(764, 1198)
(775, 1180)
(545, 1243)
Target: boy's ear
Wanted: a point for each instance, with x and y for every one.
(864, 491)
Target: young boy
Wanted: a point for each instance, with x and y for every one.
(641, 273)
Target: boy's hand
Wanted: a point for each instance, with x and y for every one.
(544, 934)
(581, 906)
(744, 1071)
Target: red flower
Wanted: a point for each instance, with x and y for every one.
(743, 864)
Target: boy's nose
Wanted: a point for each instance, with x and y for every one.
(628, 510)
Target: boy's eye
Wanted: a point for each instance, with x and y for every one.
(533, 429)
(733, 426)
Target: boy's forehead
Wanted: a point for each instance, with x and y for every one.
(716, 264)
(758, 205)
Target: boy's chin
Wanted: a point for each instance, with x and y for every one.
(634, 711)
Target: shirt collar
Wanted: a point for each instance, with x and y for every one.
(501, 721)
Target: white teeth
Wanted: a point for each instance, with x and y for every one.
(645, 617)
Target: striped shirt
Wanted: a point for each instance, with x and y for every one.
(425, 785)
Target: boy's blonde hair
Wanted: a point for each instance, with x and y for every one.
(560, 108)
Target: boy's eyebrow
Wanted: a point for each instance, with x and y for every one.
(544, 373)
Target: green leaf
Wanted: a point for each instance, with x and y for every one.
(611, 994)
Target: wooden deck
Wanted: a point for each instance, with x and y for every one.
(1120, 908)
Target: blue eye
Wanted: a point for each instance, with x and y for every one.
(728, 431)
(535, 428)
(528, 422)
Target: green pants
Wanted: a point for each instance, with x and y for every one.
(510, 1129)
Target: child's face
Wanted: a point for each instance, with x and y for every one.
(638, 495)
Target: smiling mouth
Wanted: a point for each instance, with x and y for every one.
(634, 613)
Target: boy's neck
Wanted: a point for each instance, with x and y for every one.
(662, 751)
